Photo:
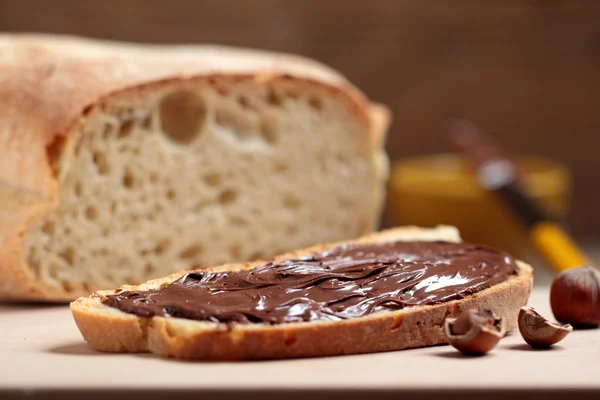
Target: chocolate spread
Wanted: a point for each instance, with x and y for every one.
(344, 282)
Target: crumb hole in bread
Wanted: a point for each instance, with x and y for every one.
(315, 103)
(182, 114)
(341, 158)
(244, 102)
(268, 128)
(146, 122)
(291, 202)
(91, 213)
(281, 167)
(102, 252)
(52, 268)
(200, 205)
(292, 94)
(151, 217)
(222, 90)
(128, 179)
(113, 208)
(212, 179)
(48, 227)
(191, 251)
(273, 98)
(102, 166)
(228, 196)
(77, 189)
(236, 251)
(68, 287)
(291, 230)
(68, 254)
(162, 246)
(125, 129)
(171, 194)
(236, 220)
(149, 269)
(234, 121)
(107, 130)
(153, 177)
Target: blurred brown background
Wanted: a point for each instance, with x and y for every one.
(526, 71)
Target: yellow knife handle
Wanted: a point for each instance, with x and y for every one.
(556, 246)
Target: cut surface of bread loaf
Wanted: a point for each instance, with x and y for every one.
(109, 329)
(125, 162)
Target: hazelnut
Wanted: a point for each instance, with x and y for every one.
(538, 331)
(575, 296)
(475, 331)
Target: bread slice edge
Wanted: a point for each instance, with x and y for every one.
(110, 330)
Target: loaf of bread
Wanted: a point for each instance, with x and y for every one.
(123, 162)
(109, 329)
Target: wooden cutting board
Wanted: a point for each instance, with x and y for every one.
(42, 354)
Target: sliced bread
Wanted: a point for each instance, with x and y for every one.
(108, 329)
(120, 162)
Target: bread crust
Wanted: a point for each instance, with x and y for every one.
(108, 329)
(49, 85)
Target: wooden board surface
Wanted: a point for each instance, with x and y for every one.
(42, 352)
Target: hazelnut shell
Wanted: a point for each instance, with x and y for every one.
(575, 296)
(538, 331)
(479, 339)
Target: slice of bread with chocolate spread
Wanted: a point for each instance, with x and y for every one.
(390, 290)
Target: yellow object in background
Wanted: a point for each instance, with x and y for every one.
(556, 246)
(441, 189)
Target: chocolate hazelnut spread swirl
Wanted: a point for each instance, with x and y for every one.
(344, 282)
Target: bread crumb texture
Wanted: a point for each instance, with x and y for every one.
(203, 172)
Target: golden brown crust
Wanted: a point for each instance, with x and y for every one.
(121, 333)
(47, 86)
(384, 331)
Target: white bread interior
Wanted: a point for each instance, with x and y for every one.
(108, 329)
(127, 162)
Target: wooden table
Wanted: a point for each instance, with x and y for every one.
(43, 355)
